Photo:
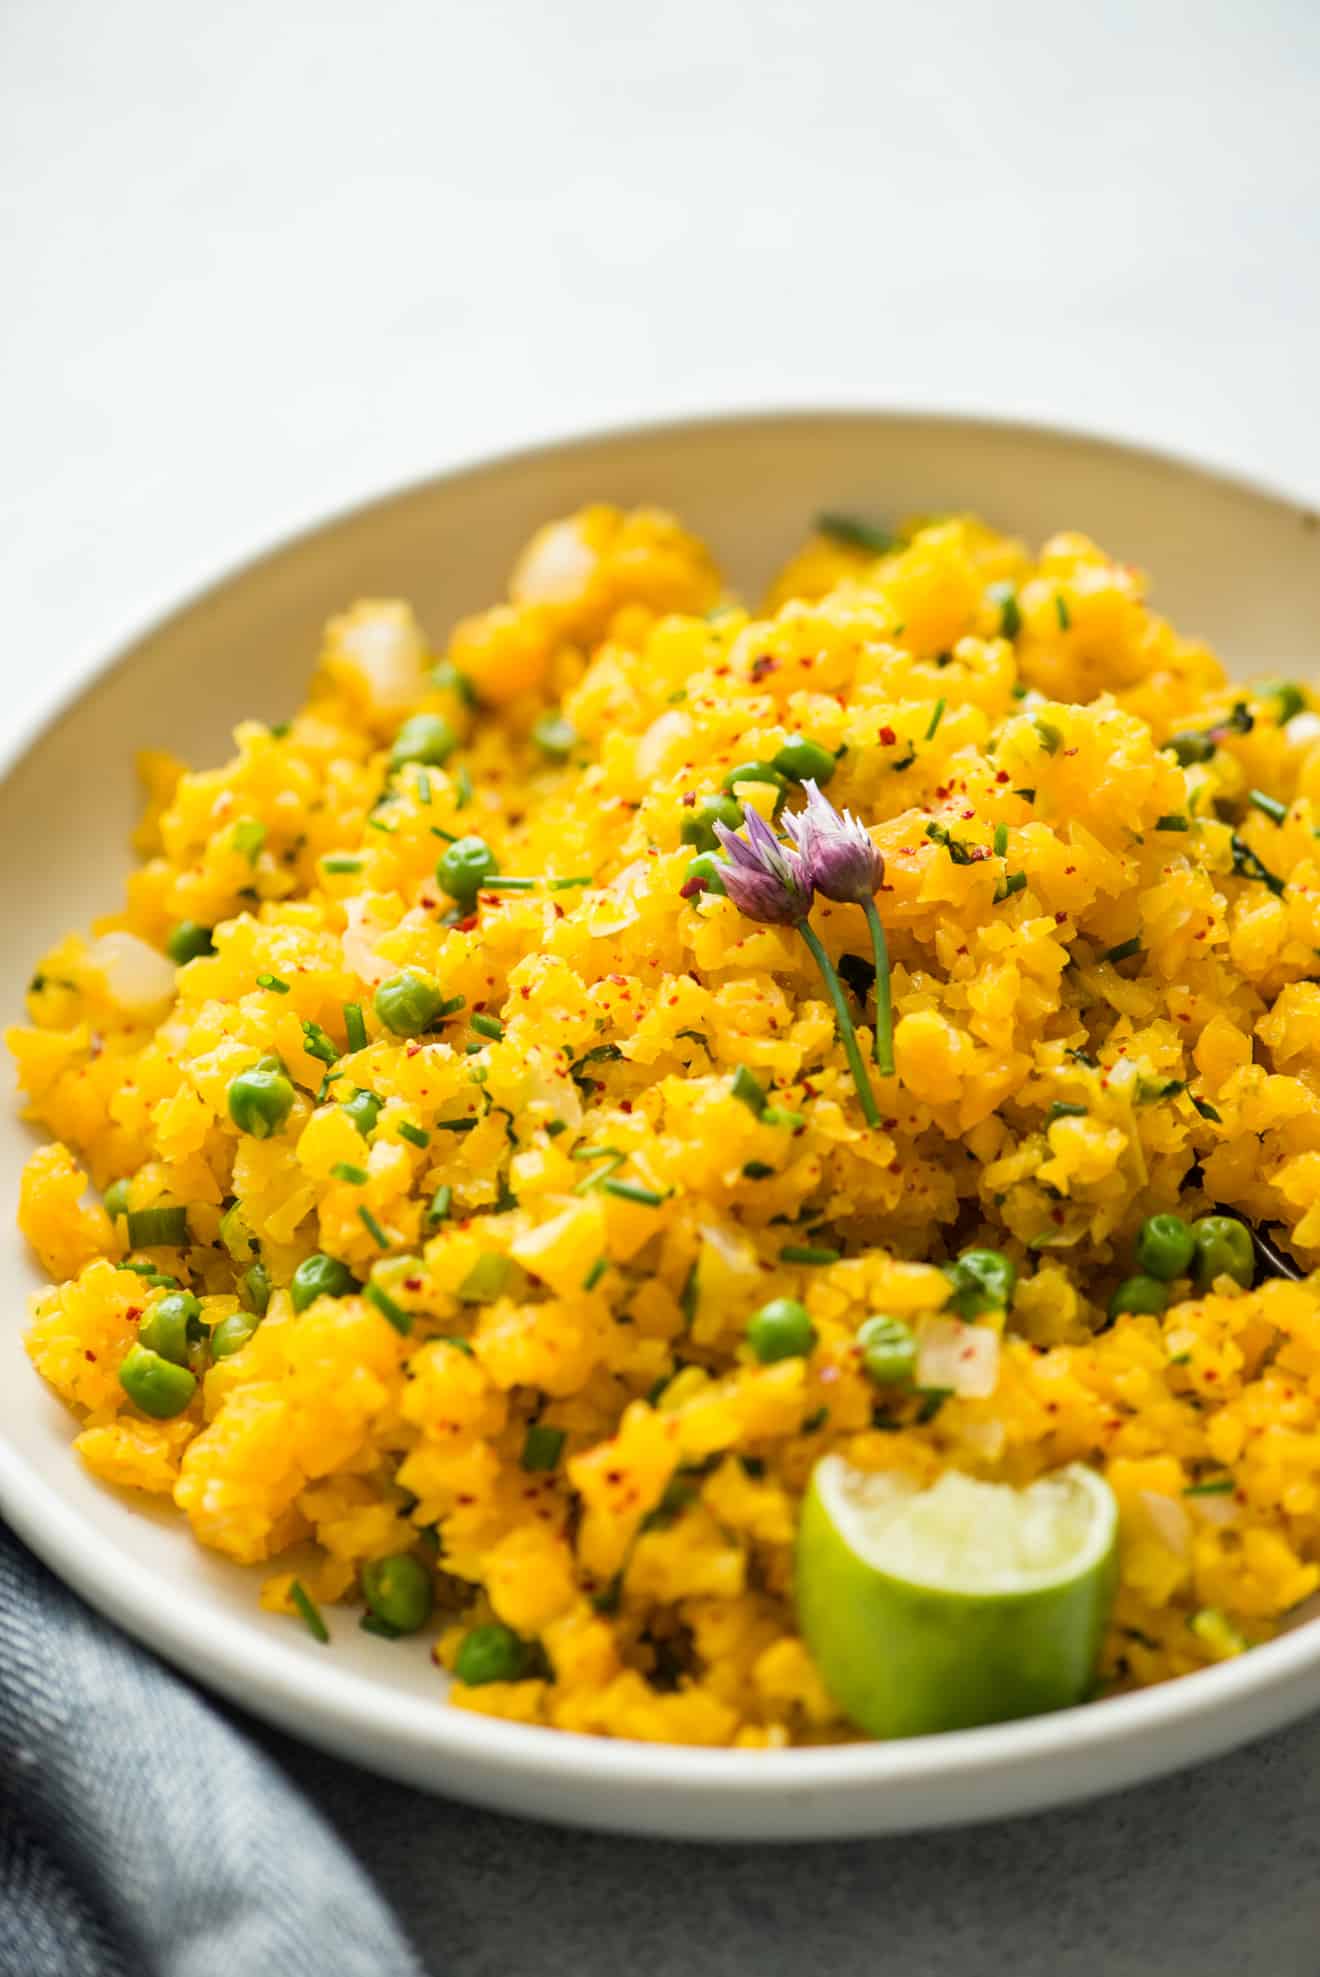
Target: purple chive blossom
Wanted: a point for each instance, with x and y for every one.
(841, 862)
(766, 880)
(770, 881)
(836, 850)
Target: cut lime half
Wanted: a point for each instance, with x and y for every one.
(965, 1603)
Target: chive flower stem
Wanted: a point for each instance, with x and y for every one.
(843, 1021)
(884, 1014)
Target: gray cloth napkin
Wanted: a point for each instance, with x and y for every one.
(140, 1834)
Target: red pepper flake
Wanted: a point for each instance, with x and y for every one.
(89, 1355)
(888, 737)
(688, 798)
(1001, 776)
(762, 666)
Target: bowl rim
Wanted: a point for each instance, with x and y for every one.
(323, 1700)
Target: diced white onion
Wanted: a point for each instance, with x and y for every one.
(1303, 729)
(138, 977)
(554, 567)
(1219, 1510)
(362, 931)
(958, 1358)
(983, 1438)
(1169, 1521)
(384, 643)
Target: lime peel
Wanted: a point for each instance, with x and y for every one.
(964, 1603)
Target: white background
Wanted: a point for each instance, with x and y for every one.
(257, 259)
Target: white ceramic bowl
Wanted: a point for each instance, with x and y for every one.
(1233, 562)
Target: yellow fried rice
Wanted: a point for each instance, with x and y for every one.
(1050, 1095)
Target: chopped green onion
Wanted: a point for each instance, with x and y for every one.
(542, 1446)
(310, 1612)
(1125, 950)
(247, 838)
(356, 1176)
(1174, 821)
(441, 1203)
(808, 1253)
(595, 1273)
(1001, 840)
(342, 864)
(372, 1227)
(317, 1044)
(488, 1026)
(779, 1115)
(273, 983)
(457, 1125)
(749, 1089)
(397, 1316)
(1013, 882)
(355, 1026)
(149, 1228)
(935, 719)
(632, 1191)
(1062, 612)
(1269, 806)
(414, 1134)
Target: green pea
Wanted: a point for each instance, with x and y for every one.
(1165, 1247)
(164, 1330)
(982, 1280)
(781, 1329)
(156, 1385)
(1223, 1249)
(490, 1654)
(260, 1099)
(698, 828)
(320, 1275)
(805, 761)
(1139, 1294)
(425, 738)
(187, 941)
(408, 1002)
(555, 736)
(254, 1288)
(400, 1591)
(889, 1351)
(116, 1199)
(708, 870)
(1190, 748)
(364, 1110)
(754, 772)
(464, 868)
(233, 1333)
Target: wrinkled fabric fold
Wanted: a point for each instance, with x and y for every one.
(140, 1834)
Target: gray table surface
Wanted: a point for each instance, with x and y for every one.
(1211, 1873)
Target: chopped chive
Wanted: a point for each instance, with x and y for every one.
(932, 1401)
(959, 853)
(380, 824)
(1174, 821)
(279, 729)
(1051, 738)
(1207, 1110)
(1269, 806)
(462, 788)
(595, 1273)
(1125, 950)
(273, 983)
(456, 1125)
(448, 836)
(1246, 865)
(1010, 615)
(814, 1421)
(247, 838)
(1013, 882)
(355, 1026)
(632, 1191)
(856, 533)
(1027, 795)
(309, 1612)
(542, 1446)
(449, 1007)
(597, 1153)
(780, 1115)
(936, 718)
(1062, 612)
(342, 864)
(749, 1089)
(414, 1134)
(808, 1253)
(1217, 1486)
(423, 786)
(441, 1202)
(149, 1228)
(317, 1044)
(508, 882)
(343, 1171)
(372, 1227)
(488, 1026)
(1061, 1109)
(1001, 840)
(567, 885)
(398, 1317)
(757, 1170)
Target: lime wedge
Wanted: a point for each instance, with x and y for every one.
(968, 1602)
